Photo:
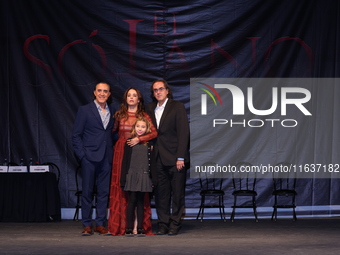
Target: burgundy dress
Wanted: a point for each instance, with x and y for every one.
(118, 197)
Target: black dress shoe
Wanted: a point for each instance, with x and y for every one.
(162, 231)
(128, 232)
(140, 232)
(172, 232)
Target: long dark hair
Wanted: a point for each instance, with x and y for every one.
(122, 113)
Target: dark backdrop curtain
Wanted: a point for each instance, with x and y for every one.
(54, 52)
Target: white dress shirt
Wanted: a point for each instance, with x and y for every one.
(159, 112)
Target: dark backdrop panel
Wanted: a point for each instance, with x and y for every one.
(54, 52)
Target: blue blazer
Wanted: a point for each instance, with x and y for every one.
(89, 137)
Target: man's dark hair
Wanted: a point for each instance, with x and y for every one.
(167, 87)
(109, 100)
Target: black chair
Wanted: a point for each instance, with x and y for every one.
(284, 182)
(211, 186)
(244, 186)
(53, 168)
(78, 194)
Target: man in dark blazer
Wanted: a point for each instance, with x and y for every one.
(92, 143)
(171, 154)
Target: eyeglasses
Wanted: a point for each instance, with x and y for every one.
(160, 89)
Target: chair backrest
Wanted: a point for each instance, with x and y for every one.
(284, 176)
(244, 177)
(53, 169)
(209, 179)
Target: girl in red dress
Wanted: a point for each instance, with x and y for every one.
(131, 108)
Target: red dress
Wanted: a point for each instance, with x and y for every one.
(118, 197)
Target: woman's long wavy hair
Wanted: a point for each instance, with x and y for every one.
(122, 113)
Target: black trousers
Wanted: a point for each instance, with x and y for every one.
(170, 196)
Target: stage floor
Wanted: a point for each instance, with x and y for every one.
(244, 236)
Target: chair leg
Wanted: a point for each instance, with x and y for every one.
(203, 205)
(274, 212)
(76, 214)
(294, 212)
(232, 216)
(275, 209)
(254, 209)
(200, 210)
(222, 208)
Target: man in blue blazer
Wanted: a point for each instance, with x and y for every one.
(171, 151)
(92, 143)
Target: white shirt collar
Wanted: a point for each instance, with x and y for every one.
(98, 106)
(164, 104)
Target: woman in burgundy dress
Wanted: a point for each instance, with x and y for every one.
(130, 109)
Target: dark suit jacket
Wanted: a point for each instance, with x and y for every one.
(89, 137)
(172, 141)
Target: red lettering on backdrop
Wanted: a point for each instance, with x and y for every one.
(175, 48)
(35, 60)
(99, 49)
(101, 53)
(182, 59)
(155, 27)
(215, 46)
(175, 25)
(132, 40)
(253, 48)
(298, 40)
(62, 53)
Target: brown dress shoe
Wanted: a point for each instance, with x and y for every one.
(102, 231)
(87, 231)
